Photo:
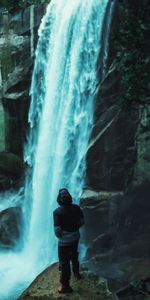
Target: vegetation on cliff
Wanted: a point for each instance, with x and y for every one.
(13, 5)
(133, 47)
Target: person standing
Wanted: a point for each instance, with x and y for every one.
(68, 218)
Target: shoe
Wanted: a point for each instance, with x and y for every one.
(64, 289)
(77, 276)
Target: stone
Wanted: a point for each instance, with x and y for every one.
(18, 39)
(11, 171)
(117, 238)
(10, 227)
(112, 152)
(142, 166)
(137, 290)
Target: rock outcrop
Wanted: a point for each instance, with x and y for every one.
(117, 234)
(116, 196)
(10, 227)
(11, 171)
(46, 284)
(142, 165)
(18, 38)
(112, 149)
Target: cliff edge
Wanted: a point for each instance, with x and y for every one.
(46, 284)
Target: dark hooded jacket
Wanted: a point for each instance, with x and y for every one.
(67, 221)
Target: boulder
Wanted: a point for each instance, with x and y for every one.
(10, 227)
(116, 234)
(11, 171)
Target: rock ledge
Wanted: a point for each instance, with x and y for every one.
(46, 284)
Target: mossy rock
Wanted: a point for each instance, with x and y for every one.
(11, 171)
(10, 229)
(5, 182)
(11, 164)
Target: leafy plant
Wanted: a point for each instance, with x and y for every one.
(132, 45)
(15, 5)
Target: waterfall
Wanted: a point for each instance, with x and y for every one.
(63, 88)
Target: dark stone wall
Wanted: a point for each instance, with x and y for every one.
(18, 39)
(116, 234)
(112, 150)
(116, 197)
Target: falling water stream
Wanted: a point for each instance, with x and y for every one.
(63, 88)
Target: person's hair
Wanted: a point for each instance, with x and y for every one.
(64, 197)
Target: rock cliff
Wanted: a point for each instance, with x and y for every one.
(18, 38)
(116, 196)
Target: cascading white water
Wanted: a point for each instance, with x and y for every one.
(61, 117)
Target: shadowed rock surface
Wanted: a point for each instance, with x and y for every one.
(10, 227)
(117, 234)
(11, 171)
(112, 149)
(18, 38)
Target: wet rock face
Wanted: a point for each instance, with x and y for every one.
(112, 150)
(18, 38)
(142, 166)
(117, 228)
(117, 234)
(11, 171)
(10, 227)
(117, 225)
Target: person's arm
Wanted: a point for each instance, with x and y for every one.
(57, 225)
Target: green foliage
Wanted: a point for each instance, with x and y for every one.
(132, 44)
(13, 5)
(5, 3)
